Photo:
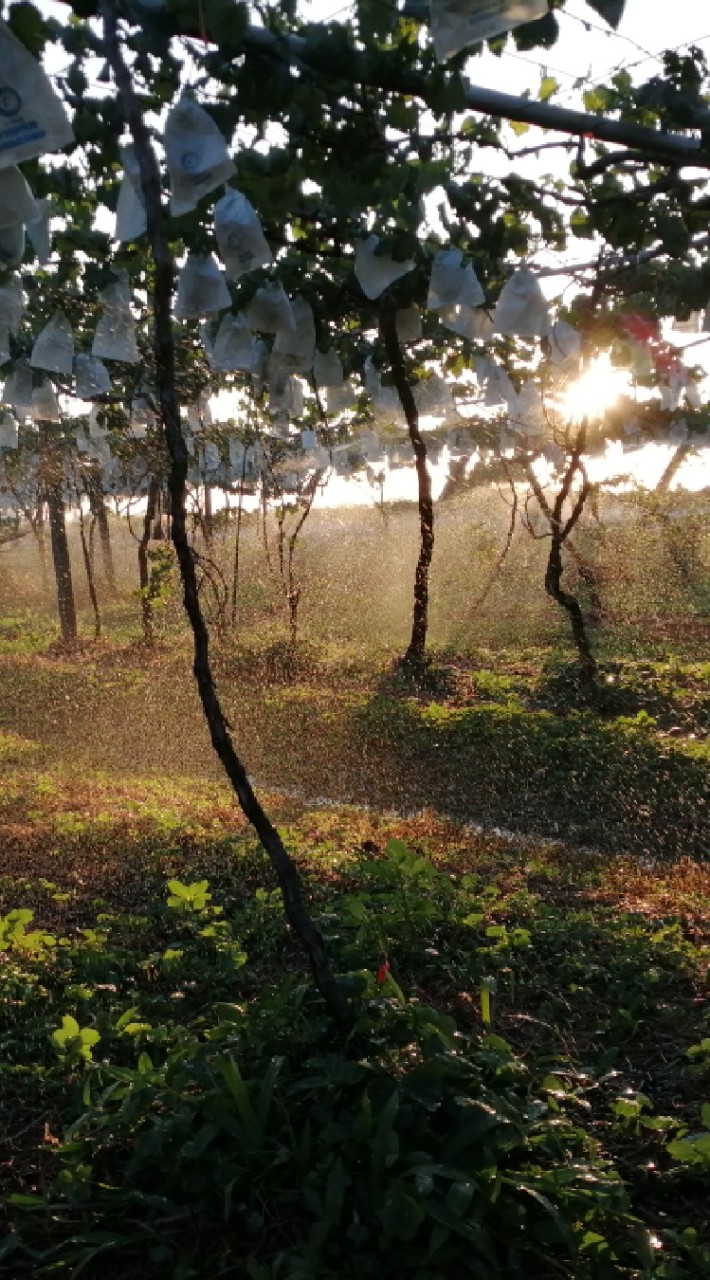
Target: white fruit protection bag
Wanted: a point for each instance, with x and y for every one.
(522, 310)
(376, 272)
(12, 245)
(17, 391)
(233, 350)
(452, 283)
(196, 153)
(456, 24)
(270, 310)
(297, 346)
(115, 337)
(33, 120)
(240, 239)
(202, 288)
(54, 347)
(12, 305)
(408, 322)
(327, 369)
(17, 204)
(131, 218)
(45, 406)
(92, 377)
(39, 231)
(8, 432)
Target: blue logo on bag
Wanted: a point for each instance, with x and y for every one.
(10, 102)
(190, 161)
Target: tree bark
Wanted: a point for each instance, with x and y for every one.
(89, 569)
(415, 655)
(237, 541)
(53, 484)
(285, 869)
(147, 619)
(97, 505)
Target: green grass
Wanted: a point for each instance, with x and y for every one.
(561, 994)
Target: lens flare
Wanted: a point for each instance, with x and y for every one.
(595, 391)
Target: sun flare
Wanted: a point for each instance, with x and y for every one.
(595, 391)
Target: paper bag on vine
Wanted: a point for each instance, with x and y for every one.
(199, 414)
(17, 204)
(522, 310)
(33, 120)
(12, 245)
(451, 282)
(201, 288)
(92, 377)
(8, 432)
(296, 347)
(54, 347)
(408, 321)
(196, 155)
(473, 323)
(240, 239)
(233, 349)
(497, 384)
(270, 310)
(82, 442)
(375, 271)
(131, 218)
(39, 232)
(565, 342)
(12, 305)
(327, 369)
(210, 459)
(456, 24)
(142, 417)
(17, 391)
(45, 406)
(115, 337)
(339, 399)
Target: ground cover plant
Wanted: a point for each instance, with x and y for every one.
(522, 1091)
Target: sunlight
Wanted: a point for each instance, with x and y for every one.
(595, 391)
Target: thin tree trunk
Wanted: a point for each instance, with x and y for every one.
(208, 518)
(560, 530)
(53, 493)
(97, 505)
(237, 541)
(293, 590)
(585, 569)
(40, 533)
(147, 618)
(415, 655)
(89, 568)
(676, 461)
(571, 605)
(164, 278)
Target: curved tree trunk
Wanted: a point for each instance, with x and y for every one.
(285, 869)
(415, 655)
(560, 529)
